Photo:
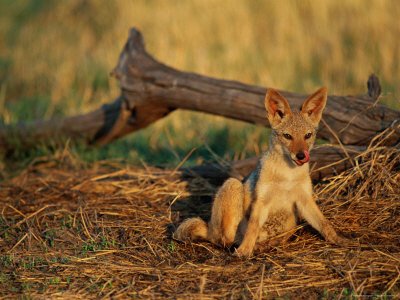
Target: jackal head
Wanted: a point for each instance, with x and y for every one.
(295, 131)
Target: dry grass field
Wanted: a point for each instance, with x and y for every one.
(79, 223)
(75, 230)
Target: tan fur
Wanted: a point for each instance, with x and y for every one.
(270, 200)
(192, 229)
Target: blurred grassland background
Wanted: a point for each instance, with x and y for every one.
(55, 59)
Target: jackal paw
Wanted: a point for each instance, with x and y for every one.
(243, 251)
(339, 240)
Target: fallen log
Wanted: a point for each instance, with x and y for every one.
(151, 90)
(148, 85)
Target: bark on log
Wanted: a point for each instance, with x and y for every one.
(150, 90)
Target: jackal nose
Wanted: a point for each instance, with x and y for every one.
(300, 156)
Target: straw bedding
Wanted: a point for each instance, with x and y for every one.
(73, 230)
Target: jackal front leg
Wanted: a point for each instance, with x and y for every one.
(257, 217)
(309, 210)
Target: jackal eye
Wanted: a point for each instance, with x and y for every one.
(308, 135)
(287, 136)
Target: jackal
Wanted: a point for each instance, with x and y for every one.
(269, 201)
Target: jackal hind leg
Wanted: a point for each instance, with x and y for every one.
(226, 213)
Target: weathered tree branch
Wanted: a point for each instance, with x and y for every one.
(150, 90)
(144, 81)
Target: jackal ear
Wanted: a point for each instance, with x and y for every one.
(277, 107)
(315, 104)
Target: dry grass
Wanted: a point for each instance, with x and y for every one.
(71, 230)
(337, 43)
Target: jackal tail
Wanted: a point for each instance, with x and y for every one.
(192, 229)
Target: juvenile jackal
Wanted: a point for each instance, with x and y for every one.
(269, 201)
